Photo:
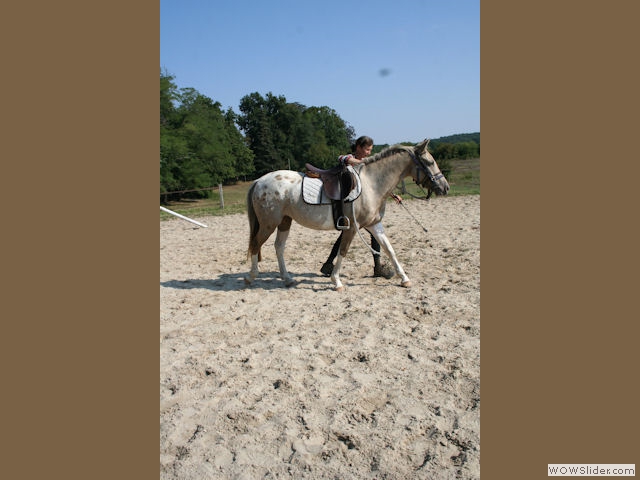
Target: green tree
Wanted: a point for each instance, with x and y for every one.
(462, 145)
(204, 127)
(200, 145)
(467, 150)
(240, 151)
(287, 135)
(444, 151)
(172, 147)
(168, 96)
(257, 123)
(332, 136)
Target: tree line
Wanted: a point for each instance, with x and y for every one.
(464, 145)
(202, 146)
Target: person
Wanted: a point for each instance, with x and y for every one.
(361, 149)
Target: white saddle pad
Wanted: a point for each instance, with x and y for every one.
(313, 193)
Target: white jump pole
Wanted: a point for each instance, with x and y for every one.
(182, 217)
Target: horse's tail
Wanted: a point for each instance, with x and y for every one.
(254, 226)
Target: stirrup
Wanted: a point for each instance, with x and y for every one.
(340, 223)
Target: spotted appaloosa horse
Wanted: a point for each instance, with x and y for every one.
(275, 199)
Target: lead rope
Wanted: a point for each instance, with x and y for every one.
(411, 214)
(355, 222)
(363, 239)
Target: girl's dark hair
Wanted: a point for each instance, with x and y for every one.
(362, 141)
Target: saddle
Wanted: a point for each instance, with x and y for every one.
(337, 181)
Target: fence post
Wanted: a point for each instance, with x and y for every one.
(221, 196)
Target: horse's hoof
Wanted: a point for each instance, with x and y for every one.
(290, 283)
(406, 284)
(247, 281)
(340, 288)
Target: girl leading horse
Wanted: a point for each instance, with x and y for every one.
(275, 199)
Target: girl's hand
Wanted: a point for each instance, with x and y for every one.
(349, 160)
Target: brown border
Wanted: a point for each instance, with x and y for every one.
(559, 338)
(80, 316)
(559, 333)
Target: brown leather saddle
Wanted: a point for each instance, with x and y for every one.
(337, 181)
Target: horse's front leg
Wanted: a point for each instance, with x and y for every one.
(280, 243)
(347, 236)
(377, 231)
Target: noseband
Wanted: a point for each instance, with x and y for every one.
(421, 167)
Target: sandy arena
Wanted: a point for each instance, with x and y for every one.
(376, 382)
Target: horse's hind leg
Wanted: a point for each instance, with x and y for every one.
(280, 243)
(261, 236)
(253, 273)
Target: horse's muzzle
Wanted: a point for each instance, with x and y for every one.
(442, 187)
(438, 185)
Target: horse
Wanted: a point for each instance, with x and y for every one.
(275, 199)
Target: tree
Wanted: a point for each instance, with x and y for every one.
(240, 151)
(332, 137)
(257, 123)
(200, 145)
(168, 96)
(172, 148)
(204, 126)
(443, 151)
(467, 150)
(287, 135)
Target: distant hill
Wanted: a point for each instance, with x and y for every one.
(458, 138)
(461, 146)
(434, 142)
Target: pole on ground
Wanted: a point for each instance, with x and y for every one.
(182, 217)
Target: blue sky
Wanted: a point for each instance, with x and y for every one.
(396, 71)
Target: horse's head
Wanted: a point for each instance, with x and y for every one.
(426, 172)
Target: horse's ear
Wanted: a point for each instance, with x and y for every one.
(422, 146)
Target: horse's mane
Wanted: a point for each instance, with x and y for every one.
(387, 152)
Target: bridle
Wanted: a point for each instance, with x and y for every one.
(428, 176)
(421, 166)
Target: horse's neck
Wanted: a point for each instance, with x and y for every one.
(387, 172)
